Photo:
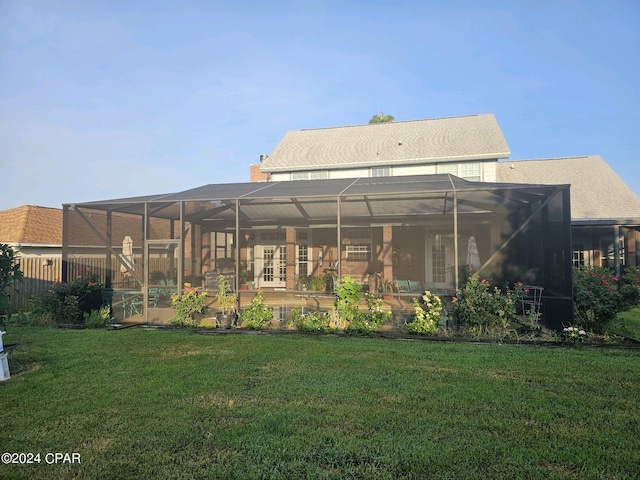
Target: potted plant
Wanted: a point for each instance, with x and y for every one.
(246, 278)
(226, 302)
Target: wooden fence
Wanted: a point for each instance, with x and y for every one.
(40, 273)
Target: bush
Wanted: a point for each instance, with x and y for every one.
(348, 296)
(426, 318)
(312, 322)
(629, 288)
(257, 315)
(68, 302)
(9, 273)
(187, 305)
(596, 297)
(366, 323)
(98, 318)
(482, 311)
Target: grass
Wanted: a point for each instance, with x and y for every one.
(627, 323)
(169, 404)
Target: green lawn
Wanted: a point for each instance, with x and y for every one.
(628, 323)
(170, 404)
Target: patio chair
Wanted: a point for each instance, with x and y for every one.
(415, 286)
(403, 286)
(532, 300)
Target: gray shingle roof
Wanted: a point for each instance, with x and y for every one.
(597, 192)
(473, 137)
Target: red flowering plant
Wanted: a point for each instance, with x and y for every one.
(486, 311)
(596, 297)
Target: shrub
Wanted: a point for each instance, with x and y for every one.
(426, 318)
(68, 302)
(97, 318)
(257, 315)
(312, 322)
(9, 273)
(369, 322)
(187, 305)
(629, 288)
(596, 297)
(348, 296)
(483, 311)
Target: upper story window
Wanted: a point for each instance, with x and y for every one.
(471, 171)
(381, 171)
(310, 175)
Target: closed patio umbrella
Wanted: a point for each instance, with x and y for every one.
(127, 255)
(473, 256)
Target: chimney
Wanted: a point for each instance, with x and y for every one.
(263, 157)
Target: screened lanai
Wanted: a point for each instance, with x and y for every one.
(395, 235)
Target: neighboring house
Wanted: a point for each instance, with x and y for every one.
(605, 212)
(35, 233)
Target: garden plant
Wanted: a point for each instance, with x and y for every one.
(187, 305)
(257, 315)
(66, 303)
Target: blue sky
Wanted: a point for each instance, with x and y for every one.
(109, 99)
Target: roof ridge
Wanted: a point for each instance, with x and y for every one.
(546, 159)
(394, 122)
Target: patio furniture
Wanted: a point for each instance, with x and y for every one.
(531, 301)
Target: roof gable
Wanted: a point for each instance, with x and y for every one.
(597, 192)
(31, 225)
(473, 137)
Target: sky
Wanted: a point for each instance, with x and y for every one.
(111, 99)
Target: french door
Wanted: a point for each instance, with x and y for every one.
(271, 263)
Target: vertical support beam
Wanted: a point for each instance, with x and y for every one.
(290, 257)
(145, 263)
(65, 243)
(616, 249)
(387, 253)
(339, 239)
(236, 245)
(108, 271)
(455, 240)
(180, 279)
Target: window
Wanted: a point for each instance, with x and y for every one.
(319, 175)
(357, 244)
(578, 256)
(438, 262)
(380, 171)
(310, 175)
(303, 260)
(471, 171)
(451, 168)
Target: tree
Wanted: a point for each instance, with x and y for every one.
(382, 118)
(9, 273)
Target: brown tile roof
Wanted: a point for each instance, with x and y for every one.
(597, 192)
(472, 137)
(31, 225)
